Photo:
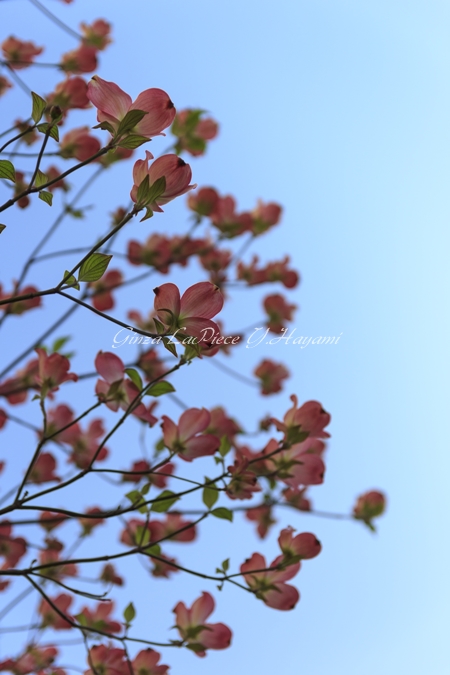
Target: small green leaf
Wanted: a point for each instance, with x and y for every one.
(142, 535)
(130, 120)
(170, 346)
(94, 267)
(71, 281)
(210, 494)
(129, 613)
(222, 512)
(39, 105)
(81, 619)
(225, 446)
(226, 565)
(160, 388)
(159, 446)
(133, 141)
(49, 129)
(157, 189)
(165, 501)
(143, 190)
(59, 343)
(40, 179)
(148, 214)
(2, 227)
(134, 377)
(46, 197)
(106, 126)
(7, 170)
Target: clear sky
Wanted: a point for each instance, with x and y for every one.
(339, 110)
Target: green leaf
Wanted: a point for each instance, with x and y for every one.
(143, 190)
(157, 189)
(210, 494)
(59, 343)
(142, 535)
(71, 281)
(165, 501)
(160, 388)
(94, 267)
(106, 126)
(170, 346)
(159, 446)
(49, 129)
(225, 446)
(40, 179)
(148, 214)
(134, 377)
(130, 120)
(133, 141)
(226, 565)
(39, 105)
(137, 500)
(129, 613)
(222, 512)
(81, 619)
(46, 197)
(7, 170)
(2, 227)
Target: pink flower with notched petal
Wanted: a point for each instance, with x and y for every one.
(122, 395)
(186, 438)
(80, 144)
(301, 464)
(50, 617)
(71, 93)
(80, 60)
(18, 53)
(310, 418)
(99, 618)
(53, 371)
(192, 313)
(43, 470)
(113, 104)
(11, 548)
(176, 172)
(194, 630)
(146, 663)
(96, 34)
(300, 547)
(107, 660)
(268, 581)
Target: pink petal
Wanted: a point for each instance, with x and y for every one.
(284, 574)
(170, 431)
(203, 330)
(285, 597)
(310, 472)
(109, 366)
(167, 297)
(217, 637)
(192, 422)
(108, 97)
(200, 446)
(160, 109)
(256, 562)
(203, 300)
(201, 609)
(182, 615)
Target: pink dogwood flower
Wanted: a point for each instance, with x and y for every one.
(175, 171)
(146, 663)
(113, 104)
(43, 470)
(106, 660)
(71, 93)
(303, 546)
(12, 549)
(243, 483)
(192, 313)
(310, 419)
(271, 375)
(300, 464)
(186, 438)
(269, 586)
(79, 143)
(124, 391)
(193, 629)
(262, 515)
(80, 60)
(53, 371)
(279, 312)
(369, 505)
(96, 34)
(19, 53)
(99, 618)
(50, 617)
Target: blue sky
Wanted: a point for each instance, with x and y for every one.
(339, 111)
